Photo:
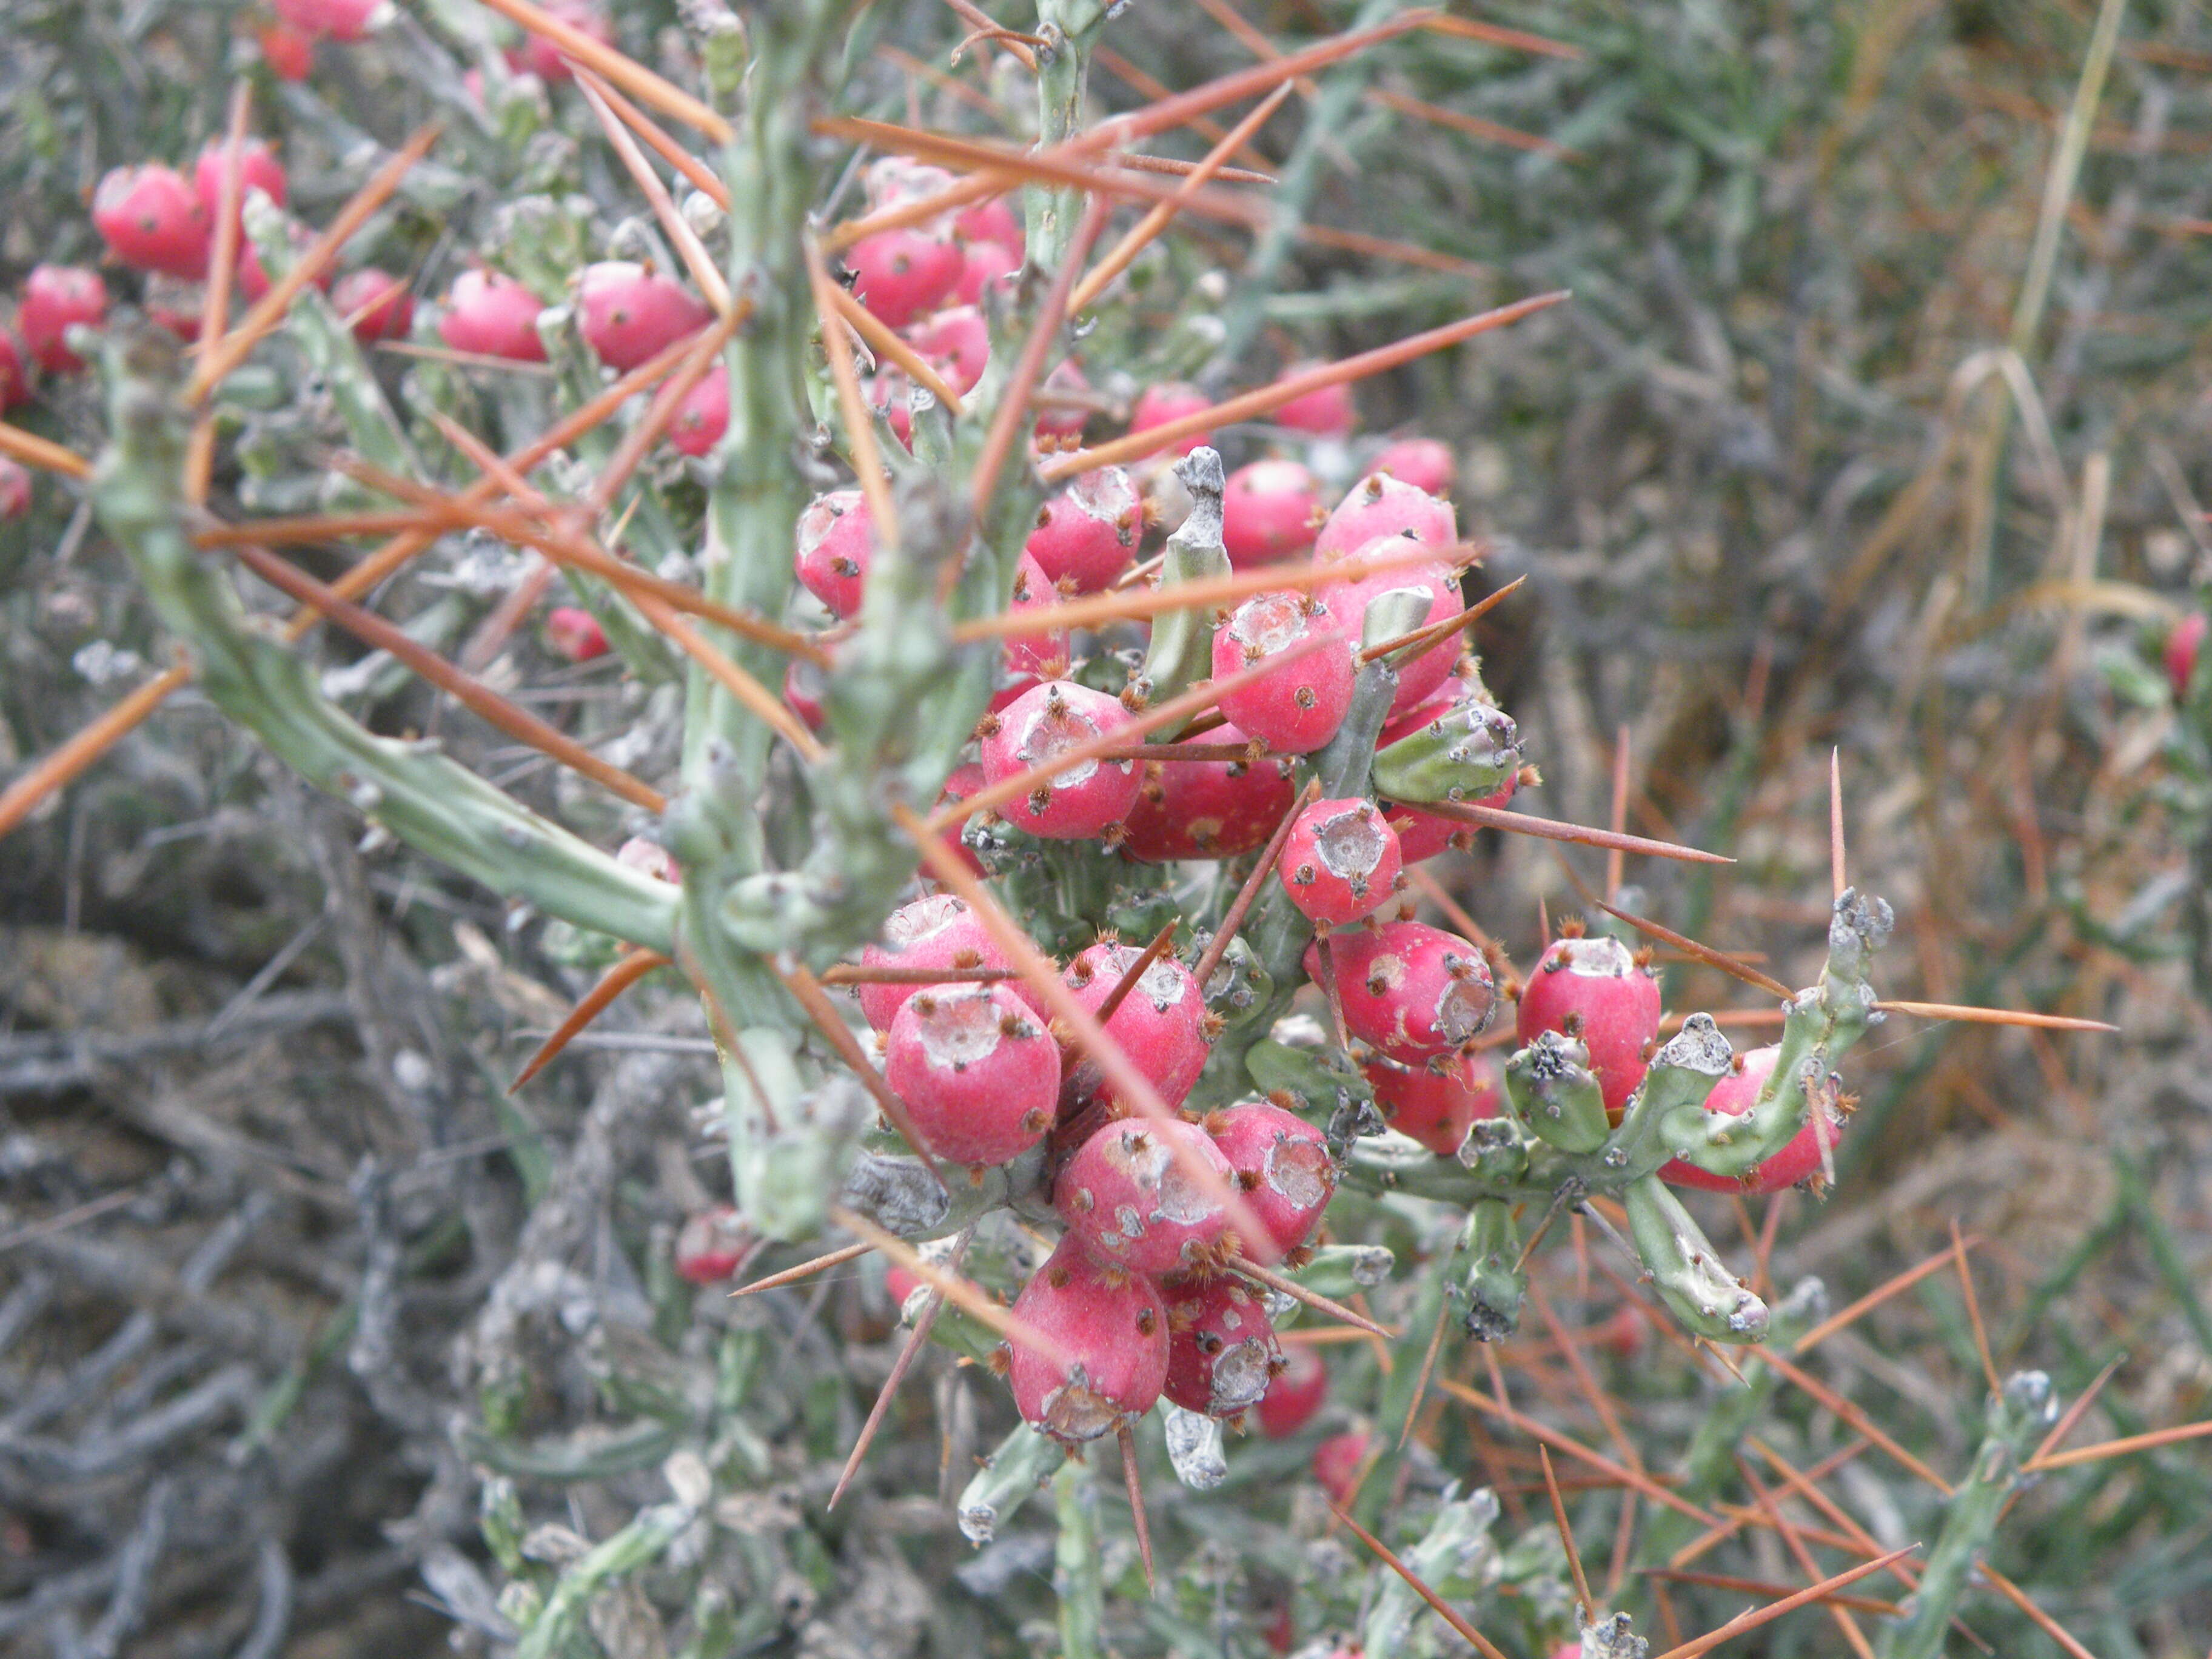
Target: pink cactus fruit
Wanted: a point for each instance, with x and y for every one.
(1299, 1390)
(493, 316)
(1283, 1170)
(991, 219)
(2182, 646)
(1801, 1157)
(544, 58)
(1340, 862)
(1298, 709)
(55, 298)
(1222, 1351)
(574, 632)
(1409, 989)
(894, 180)
(979, 1076)
(627, 313)
(1207, 809)
(1089, 532)
(1031, 659)
(703, 416)
(710, 1245)
(1270, 511)
(1379, 505)
(837, 539)
(1170, 400)
(648, 858)
(1036, 728)
(803, 685)
(288, 51)
(1591, 988)
(936, 932)
(257, 169)
(1325, 412)
(1437, 1100)
(1337, 1463)
(1133, 1195)
(1425, 463)
(151, 219)
(1347, 603)
(1059, 423)
(374, 303)
(341, 20)
(1103, 1356)
(984, 268)
(955, 343)
(253, 276)
(901, 275)
(1424, 835)
(1162, 1024)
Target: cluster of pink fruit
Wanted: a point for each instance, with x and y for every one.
(289, 40)
(160, 223)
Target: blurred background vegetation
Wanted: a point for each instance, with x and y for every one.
(1875, 428)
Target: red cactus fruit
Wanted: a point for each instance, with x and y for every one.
(935, 932)
(288, 51)
(703, 416)
(1064, 425)
(342, 20)
(54, 298)
(1590, 988)
(1340, 862)
(627, 313)
(979, 1076)
(1207, 809)
(1409, 989)
(894, 180)
(1222, 1351)
(837, 538)
(710, 1245)
(1800, 1158)
(965, 782)
(1297, 709)
(1326, 412)
(1295, 1394)
(1379, 505)
(956, 343)
(2182, 646)
(1437, 1101)
(1347, 602)
(1111, 1329)
(1170, 400)
(14, 489)
(1270, 511)
(985, 267)
(901, 275)
(1035, 728)
(1627, 1333)
(1336, 1465)
(546, 60)
(493, 316)
(1282, 1168)
(1424, 835)
(991, 219)
(14, 380)
(900, 1284)
(151, 219)
(1162, 1024)
(1131, 1196)
(575, 633)
(257, 169)
(1425, 463)
(374, 303)
(1029, 659)
(1088, 533)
